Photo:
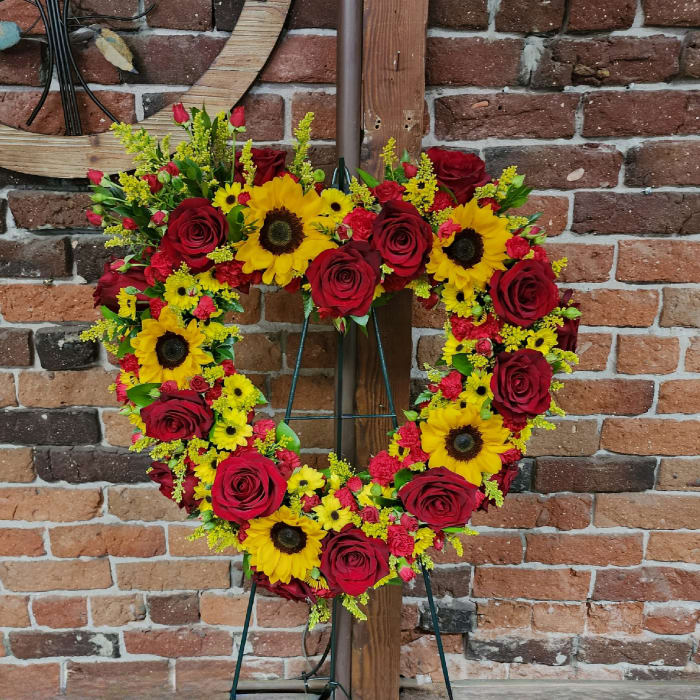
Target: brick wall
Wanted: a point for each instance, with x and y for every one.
(589, 571)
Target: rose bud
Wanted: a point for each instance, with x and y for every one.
(407, 573)
(237, 118)
(94, 219)
(95, 176)
(180, 114)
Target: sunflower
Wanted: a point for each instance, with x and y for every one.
(168, 350)
(287, 231)
(460, 440)
(469, 257)
(284, 545)
(231, 432)
(458, 301)
(336, 204)
(305, 481)
(182, 291)
(226, 197)
(332, 515)
(543, 340)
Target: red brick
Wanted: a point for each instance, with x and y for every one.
(667, 13)
(302, 59)
(572, 437)
(39, 303)
(681, 308)
(621, 397)
(17, 348)
(117, 428)
(116, 610)
(560, 167)
(654, 260)
(322, 104)
(180, 546)
(58, 389)
(265, 118)
(28, 542)
(319, 349)
(38, 681)
(13, 612)
(174, 609)
(658, 163)
(251, 306)
(612, 618)
(21, 64)
(503, 614)
(313, 13)
(259, 352)
(649, 583)
(313, 393)
(692, 357)
(592, 350)
(429, 349)
(648, 436)
(593, 550)
(483, 549)
(223, 609)
(15, 108)
(57, 210)
(646, 354)
(679, 396)
(594, 474)
(554, 210)
(597, 15)
(670, 620)
(640, 113)
(656, 213)
(528, 511)
(286, 643)
(312, 434)
(25, 15)
(690, 59)
(458, 14)
(58, 611)
(276, 612)
(674, 546)
(112, 540)
(651, 511)
(193, 14)
(173, 575)
(131, 678)
(530, 16)
(538, 584)
(472, 61)
(283, 306)
(7, 390)
(586, 263)
(679, 474)
(55, 575)
(125, 8)
(598, 650)
(608, 61)
(174, 643)
(556, 617)
(618, 307)
(56, 504)
(504, 115)
(214, 676)
(142, 503)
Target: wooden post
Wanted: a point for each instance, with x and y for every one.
(393, 94)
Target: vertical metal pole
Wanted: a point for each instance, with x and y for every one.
(244, 637)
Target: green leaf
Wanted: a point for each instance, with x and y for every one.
(376, 490)
(261, 400)
(360, 320)
(403, 476)
(235, 224)
(125, 348)
(423, 397)
(293, 442)
(405, 157)
(132, 290)
(452, 530)
(368, 179)
(247, 571)
(308, 304)
(141, 394)
(462, 364)
(387, 502)
(411, 415)
(109, 314)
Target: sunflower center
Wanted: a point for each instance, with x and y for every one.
(231, 199)
(282, 232)
(335, 206)
(181, 291)
(230, 430)
(288, 538)
(467, 249)
(464, 443)
(335, 515)
(171, 350)
(238, 392)
(460, 297)
(481, 390)
(539, 342)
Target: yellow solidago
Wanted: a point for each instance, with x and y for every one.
(361, 194)
(379, 529)
(142, 146)
(505, 180)
(119, 236)
(104, 328)
(516, 222)
(302, 134)
(135, 189)
(421, 189)
(513, 337)
(222, 254)
(339, 467)
(420, 287)
(246, 160)
(424, 540)
(388, 154)
(211, 374)
(559, 265)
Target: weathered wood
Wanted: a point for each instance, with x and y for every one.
(221, 86)
(393, 94)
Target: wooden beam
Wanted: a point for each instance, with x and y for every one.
(393, 95)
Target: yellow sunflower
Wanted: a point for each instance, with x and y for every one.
(286, 235)
(336, 204)
(460, 440)
(454, 347)
(226, 197)
(468, 258)
(284, 545)
(168, 350)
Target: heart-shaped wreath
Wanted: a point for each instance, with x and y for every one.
(207, 224)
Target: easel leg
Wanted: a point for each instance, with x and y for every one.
(244, 637)
(436, 629)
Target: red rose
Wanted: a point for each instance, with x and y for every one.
(343, 279)
(154, 184)
(370, 514)
(461, 173)
(520, 384)
(247, 486)
(388, 190)
(294, 590)
(93, 219)
(525, 293)
(382, 467)
(400, 541)
(178, 414)
(352, 562)
(360, 221)
(268, 162)
(199, 383)
(440, 498)
(180, 114)
(237, 117)
(195, 228)
(402, 237)
(111, 282)
(161, 474)
(517, 247)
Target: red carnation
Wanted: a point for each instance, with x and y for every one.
(95, 176)
(400, 541)
(517, 247)
(451, 385)
(205, 308)
(360, 221)
(382, 467)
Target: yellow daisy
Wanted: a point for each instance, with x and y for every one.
(168, 350)
(206, 464)
(182, 291)
(543, 340)
(332, 515)
(232, 431)
(208, 282)
(304, 481)
(454, 347)
(460, 440)
(286, 231)
(284, 545)
(458, 301)
(240, 391)
(477, 389)
(226, 197)
(203, 493)
(336, 204)
(468, 258)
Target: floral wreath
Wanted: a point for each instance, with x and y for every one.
(204, 226)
